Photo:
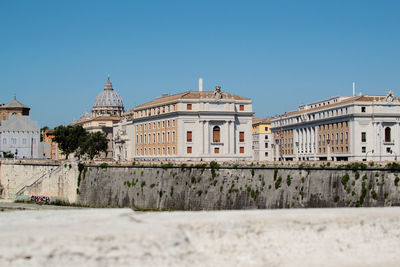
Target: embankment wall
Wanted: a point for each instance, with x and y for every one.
(197, 188)
(240, 188)
(38, 178)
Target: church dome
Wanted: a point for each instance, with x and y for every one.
(108, 102)
(108, 97)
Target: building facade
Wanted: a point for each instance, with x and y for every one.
(107, 110)
(262, 140)
(340, 128)
(194, 125)
(21, 136)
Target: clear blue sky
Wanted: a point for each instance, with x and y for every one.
(55, 55)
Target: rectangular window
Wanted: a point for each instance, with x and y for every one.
(362, 109)
(188, 106)
(241, 107)
(363, 137)
(363, 149)
(266, 145)
(266, 137)
(266, 154)
(4, 141)
(241, 150)
(163, 124)
(189, 136)
(241, 136)
(189, 150)
(216, 150)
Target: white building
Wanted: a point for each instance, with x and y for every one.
(340, 128)
(20, 136)
(194, 125)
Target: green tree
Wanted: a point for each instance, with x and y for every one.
(8, 154)
(69, 138)
(93, 145)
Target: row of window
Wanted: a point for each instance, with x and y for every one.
(155, 125)
(216, 135)
(331, 126)
(155, 151)
(155, 111)
(340, 149)
(14, 141)
(333, 138)
(149, 139)
(189, 150)
(309, 117)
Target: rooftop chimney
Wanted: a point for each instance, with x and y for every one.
(200, 84)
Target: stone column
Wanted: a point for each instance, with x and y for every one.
(229, 137)
(208, 137)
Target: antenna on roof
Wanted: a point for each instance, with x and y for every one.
(354, 88)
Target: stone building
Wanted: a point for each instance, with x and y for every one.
(359, 128)
(262, 140)
(107, 110)
(12, 108)
(194, 125)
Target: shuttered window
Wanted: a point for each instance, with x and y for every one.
(216, 134)
(189, 136)
(241, 136)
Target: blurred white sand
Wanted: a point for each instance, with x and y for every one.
(121, 237)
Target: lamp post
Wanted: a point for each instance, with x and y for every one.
(366, 155)
(391, 152)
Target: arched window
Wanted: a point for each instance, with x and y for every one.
(216, 134)
(388, 136)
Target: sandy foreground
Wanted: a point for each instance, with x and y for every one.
(122, 237)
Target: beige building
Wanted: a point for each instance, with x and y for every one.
(107, 110)
(262, 140)
(340, 128)
(194, 125)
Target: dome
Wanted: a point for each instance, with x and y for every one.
(108, 97)
(108, 102)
